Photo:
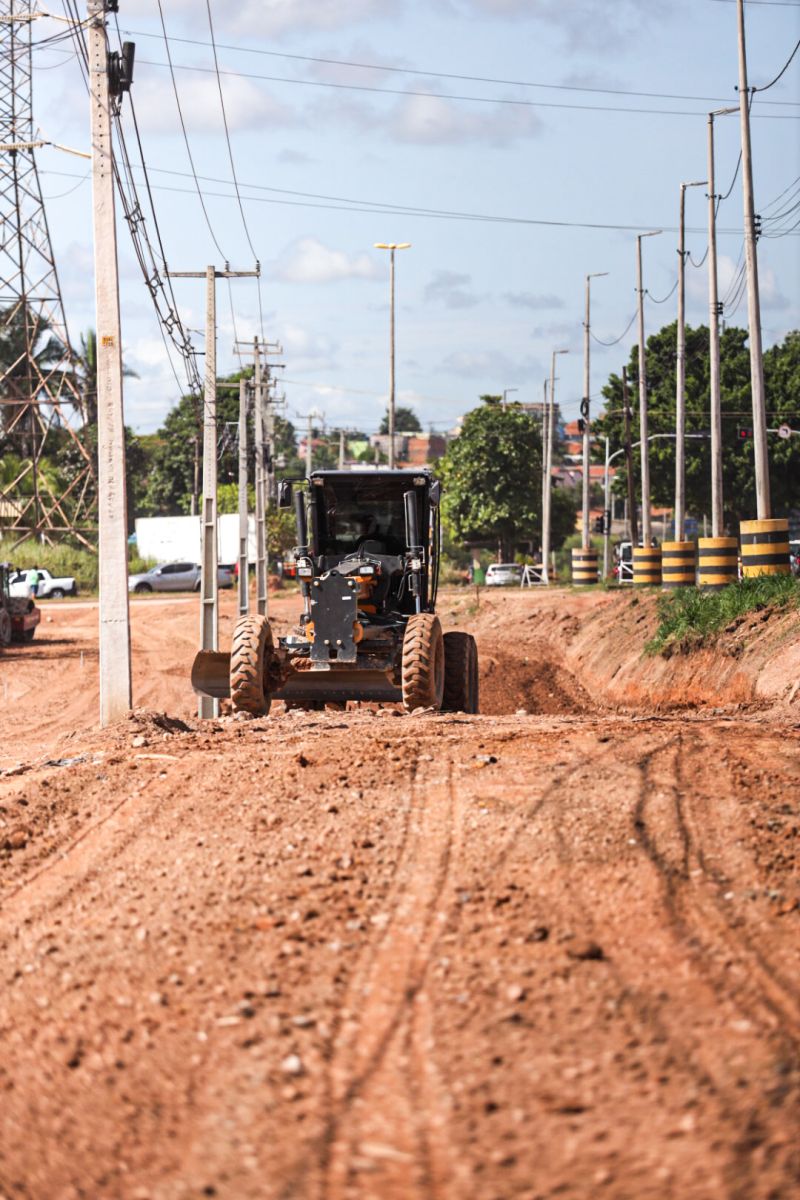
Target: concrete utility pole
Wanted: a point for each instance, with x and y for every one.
(714, 312)
(391, 247)
(209, 608)
(643, 425)
(544, 455)
(309, 445)
(244, 590)
(585, 410)
(626, 409)
(548, 489)
(115, 630)
(341, 449)
(680, 373)
(763, 502)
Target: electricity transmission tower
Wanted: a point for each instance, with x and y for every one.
(40, 393)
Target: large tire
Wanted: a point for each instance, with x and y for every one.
(58, 593)
(143, 587)
(422, 672)
(252, 638)
(457, 672)
(28, 634)
(5, 628)
(474, 678)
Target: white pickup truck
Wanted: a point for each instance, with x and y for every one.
(49, 585)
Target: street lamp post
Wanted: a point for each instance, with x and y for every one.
(391, 247)
(646, 527)
(585, 410)
(680, 373)
(548, 469)
(505, 393)
(713, 336)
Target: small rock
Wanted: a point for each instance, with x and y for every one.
(292, 1065)
(17, 839)
(138, 741)
(515, 993)
(522, 712)
(587, 952)
(539, 933)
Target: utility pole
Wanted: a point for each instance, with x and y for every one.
(626, 408)
(115, 630)
(544, 457)
(646, 527)
(680, 373)
(391, 247)
(585, 409)
(341, 449)
(714, 311)
(549, 467)
(209, 607)
(309, 449)
(606, 515)
(244, 589)
(763, 503)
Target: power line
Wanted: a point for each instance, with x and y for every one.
(663, 299)
(183, 129)
(367, 206)
(617, 339)
(502, 100)
(781, 72)
(338, 62)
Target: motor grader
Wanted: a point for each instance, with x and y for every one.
(367, 561)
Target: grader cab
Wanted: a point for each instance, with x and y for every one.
(367, 561)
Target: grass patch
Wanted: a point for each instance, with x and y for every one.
(63, 559)
(688, 617)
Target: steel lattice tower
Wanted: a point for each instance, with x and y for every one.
(40, 394)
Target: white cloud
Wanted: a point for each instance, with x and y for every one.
(434, 120)
(450, 288)
(584, 22)
(490, 369)
(533, 300)
(307, 260)
(247, 106)
(273, 18)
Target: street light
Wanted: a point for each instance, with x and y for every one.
(505, 393)
(391, 247)
(680, 371)
(646, 529)
(585, 411)
(714, 309)
(548, 469)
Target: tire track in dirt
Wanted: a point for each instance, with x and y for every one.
(387, 1132)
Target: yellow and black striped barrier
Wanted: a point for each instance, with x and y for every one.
(647, 566)
(584, 566)
(718, 562)
(678, 564)
(765, 547)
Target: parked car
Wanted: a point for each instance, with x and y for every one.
(175, 577)
(504, 575)
(794, 557)
(50, 586)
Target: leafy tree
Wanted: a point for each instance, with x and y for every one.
(405, 421)
(492, 477)
(782, 381)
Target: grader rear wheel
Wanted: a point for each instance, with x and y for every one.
(457, 672)
(422, 674)
(252, 639)
(474, 678)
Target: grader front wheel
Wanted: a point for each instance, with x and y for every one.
(252, 640)
(422, 673)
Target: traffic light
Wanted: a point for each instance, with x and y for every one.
(581, 425)
(599, 525)
(744, 433)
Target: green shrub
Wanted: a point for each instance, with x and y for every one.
(688, 617)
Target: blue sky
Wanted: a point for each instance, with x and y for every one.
(481, 303)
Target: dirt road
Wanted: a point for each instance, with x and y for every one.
(344, 955)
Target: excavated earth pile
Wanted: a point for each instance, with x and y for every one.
(359, 954)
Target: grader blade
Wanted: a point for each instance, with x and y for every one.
(211, 674)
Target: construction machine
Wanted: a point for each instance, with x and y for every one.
(19, 615)
(367, 561)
